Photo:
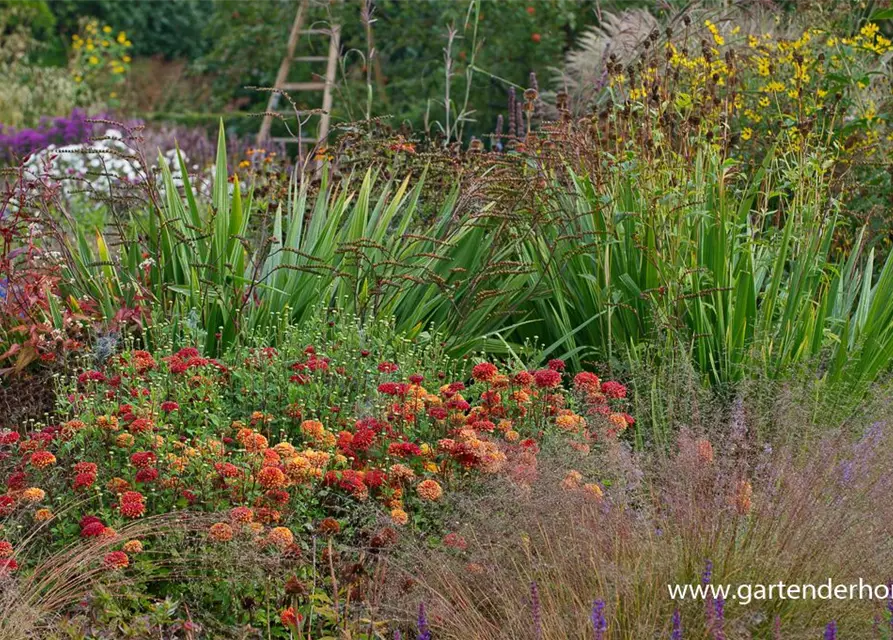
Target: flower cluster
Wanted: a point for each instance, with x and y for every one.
(100, 58)
(152, 433)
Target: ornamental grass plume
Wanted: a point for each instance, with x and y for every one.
(30, 603)
(659, 516)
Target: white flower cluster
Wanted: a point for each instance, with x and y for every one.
(101, 168)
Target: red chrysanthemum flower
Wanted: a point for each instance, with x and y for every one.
(17, 481)
(93, 529)
(141, 425)
(227, 469)
(86, 467)
(484, 372)
(483, 425)
(277, 496)
(403, 449)
(132, 509)
(388, 367)
(132, 496)
(7, 505)
(556, 364)
(147, 475)
(6, 549)
(587, 381)
(169, 406)
(613, 389)
(455, 541)
(374, 478)
(84, 481)
(547, 378)
(8, 565)
(88, 519)
(142, 459)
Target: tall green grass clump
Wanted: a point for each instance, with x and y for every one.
(356, 243)
(734, 264)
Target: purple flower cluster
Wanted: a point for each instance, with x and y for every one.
(599, 622)
(15, 144)
(422, 624)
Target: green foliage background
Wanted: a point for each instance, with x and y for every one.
(238, 44)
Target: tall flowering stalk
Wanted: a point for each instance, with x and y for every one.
(536, 611)
(706, 576)
(719, 619)
(599, 622)
(831, 631)
(422, 624)
(677, 626)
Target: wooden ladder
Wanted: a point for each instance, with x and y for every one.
(282, 83)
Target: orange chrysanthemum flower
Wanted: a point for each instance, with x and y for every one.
(116, 560)
(429, 490)
(399, 516)
(281, 537)
(33, 494)
(271, 478)
(242, 515)
(132, 546)
(124, 440)
(220, 532)
(42, 515)
(42, 459)
(312, 429)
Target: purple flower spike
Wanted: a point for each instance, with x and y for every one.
(708, 572)
(677, 626)
(719, 619)
(424, 631)
(535, 610)
(831, 631)
(599, 622)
